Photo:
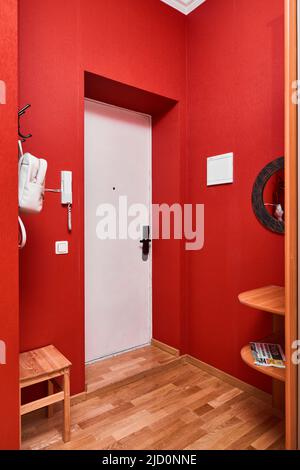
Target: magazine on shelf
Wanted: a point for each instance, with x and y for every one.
(268, 355)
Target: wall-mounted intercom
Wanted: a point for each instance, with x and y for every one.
(66, 194)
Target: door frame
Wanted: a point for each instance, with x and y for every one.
(291, 211)
(150, 258)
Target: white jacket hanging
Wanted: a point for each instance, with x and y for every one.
(32, 175)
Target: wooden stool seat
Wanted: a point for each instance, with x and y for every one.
(47, 364)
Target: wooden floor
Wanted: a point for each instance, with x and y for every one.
(177, 406)
(122, 367)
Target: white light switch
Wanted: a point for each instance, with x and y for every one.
(61, 248)
(2, 92)
(220, 169)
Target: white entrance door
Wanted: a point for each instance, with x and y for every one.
(117, 275)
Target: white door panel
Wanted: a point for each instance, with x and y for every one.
(117, 279)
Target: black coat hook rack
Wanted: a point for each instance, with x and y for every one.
(21, 113)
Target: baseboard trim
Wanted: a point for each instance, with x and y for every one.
(165, 347)
(78, 398)
(187, 359)
(264, 396)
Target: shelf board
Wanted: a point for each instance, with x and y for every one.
(275, 373)
(269, 299)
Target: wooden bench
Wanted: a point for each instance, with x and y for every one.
(47, 364)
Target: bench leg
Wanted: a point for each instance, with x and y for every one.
(50, 409)
(67, 406)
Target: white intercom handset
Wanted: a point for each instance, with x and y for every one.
(66, 194)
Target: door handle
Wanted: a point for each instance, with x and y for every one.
(146, 246)
(146, 240)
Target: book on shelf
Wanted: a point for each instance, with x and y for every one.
(268, 355)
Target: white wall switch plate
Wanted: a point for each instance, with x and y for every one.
(220, 169)
(2, 92)
(61, 248)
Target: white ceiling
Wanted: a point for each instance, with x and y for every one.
(185, 6)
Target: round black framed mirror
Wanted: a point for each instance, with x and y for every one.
(268, 196)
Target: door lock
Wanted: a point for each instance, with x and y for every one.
(146, 240)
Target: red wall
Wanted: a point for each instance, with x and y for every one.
(235, 103)
(130, 41)
(9, 309)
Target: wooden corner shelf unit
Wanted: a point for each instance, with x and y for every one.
(268, 299)
(275, 373)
